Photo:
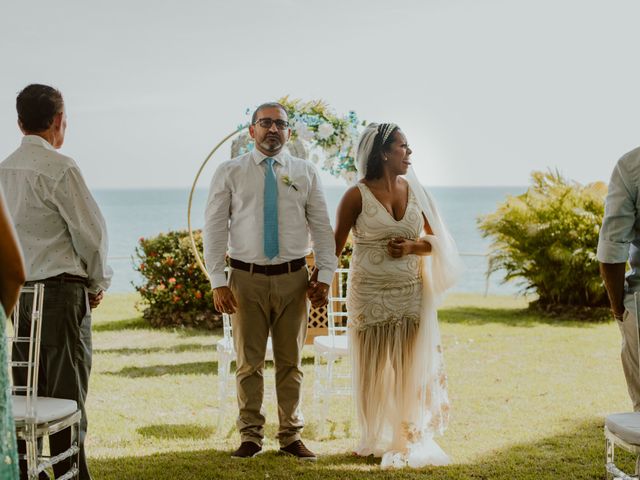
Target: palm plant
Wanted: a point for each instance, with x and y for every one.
(547, 238)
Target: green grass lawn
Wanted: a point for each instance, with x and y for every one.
(528, 400)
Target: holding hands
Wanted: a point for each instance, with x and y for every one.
(317, 292)
(225, 302)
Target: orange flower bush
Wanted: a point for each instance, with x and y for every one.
(174, 291)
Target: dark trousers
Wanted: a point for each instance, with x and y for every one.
(65, 358)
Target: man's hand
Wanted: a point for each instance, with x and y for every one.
(95, 299)
(618, 313)
(618, 316)
(224, 301)
(613, 276)
(318, 293)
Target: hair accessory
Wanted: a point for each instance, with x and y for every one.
(385, 130)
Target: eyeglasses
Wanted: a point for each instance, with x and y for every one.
(267, 122)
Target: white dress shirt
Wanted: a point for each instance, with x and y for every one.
(234, 215)
(59, 224)
(619, 238)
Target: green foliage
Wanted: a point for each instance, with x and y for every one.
(174, 291)
(547, 238)
(345, 257)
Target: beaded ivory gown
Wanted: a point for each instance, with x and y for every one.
(398, 370)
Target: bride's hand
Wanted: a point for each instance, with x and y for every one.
(399, 247)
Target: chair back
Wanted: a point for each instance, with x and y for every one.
(337, 306)
(26, 339)
(226, 328)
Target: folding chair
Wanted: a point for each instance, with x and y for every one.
(36, 417)
(622, 429)
(329, 348)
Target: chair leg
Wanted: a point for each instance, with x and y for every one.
(331, 359)
(613, 472)
(224, 367)
(609, 455)
(31, 443)
(75, 440)
(322, 396)
(221, 386)
(316, 380)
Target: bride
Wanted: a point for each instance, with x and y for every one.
(403, 261)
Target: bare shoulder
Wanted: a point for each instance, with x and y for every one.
(352, 195)
(402, 184)
(351, 200)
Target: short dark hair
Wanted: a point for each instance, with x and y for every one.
(37, 105)
(254, 117)
(375, 162)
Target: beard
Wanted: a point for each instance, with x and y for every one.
(271, 144)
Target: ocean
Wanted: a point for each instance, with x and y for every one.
(131, 214)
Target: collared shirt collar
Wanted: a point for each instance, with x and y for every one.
(258, 156)
(36, 140)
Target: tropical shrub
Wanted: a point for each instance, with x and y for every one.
(174, 290)
(546, 239)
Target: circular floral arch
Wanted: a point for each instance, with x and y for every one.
(317, 133)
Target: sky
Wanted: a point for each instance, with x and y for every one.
(485, 90)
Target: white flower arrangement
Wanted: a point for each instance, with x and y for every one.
(303, 131)
(325, 130)
(330, 138)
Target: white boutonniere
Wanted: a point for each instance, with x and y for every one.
(289, 183)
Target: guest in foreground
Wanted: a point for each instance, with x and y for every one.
(12, 277)
(619, 241)
(263, 206)
(64, 240)
(393, 291)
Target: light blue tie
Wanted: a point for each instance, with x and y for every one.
(271, 248)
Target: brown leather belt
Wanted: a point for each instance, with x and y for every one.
(279, 269)
(62, 278)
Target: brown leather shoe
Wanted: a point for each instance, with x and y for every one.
(247, 450)
(297, 449)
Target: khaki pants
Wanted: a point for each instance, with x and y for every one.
(629, 353)
(275, 304)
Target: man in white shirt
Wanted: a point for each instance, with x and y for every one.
(64, 240)
(264, 206)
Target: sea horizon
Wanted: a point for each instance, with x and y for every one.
(132, 213)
